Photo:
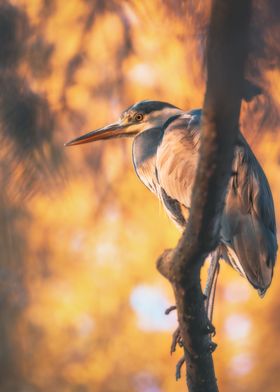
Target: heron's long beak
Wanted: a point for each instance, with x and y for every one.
(111, 131)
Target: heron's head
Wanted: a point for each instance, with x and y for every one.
(137, 118)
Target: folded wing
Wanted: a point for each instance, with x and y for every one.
(248, 232)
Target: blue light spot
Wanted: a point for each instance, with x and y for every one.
(149, 303)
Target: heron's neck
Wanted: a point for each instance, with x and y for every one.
(145, 145)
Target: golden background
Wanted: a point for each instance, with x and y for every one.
(82, 304)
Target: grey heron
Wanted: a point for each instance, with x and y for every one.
(165, 154)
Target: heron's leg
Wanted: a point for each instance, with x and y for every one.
(210, 288)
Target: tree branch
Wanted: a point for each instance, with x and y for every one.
(227, 49)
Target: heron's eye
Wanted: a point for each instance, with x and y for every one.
(138, 117)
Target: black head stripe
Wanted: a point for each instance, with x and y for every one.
(147, 107)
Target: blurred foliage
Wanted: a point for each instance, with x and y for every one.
(78, 231)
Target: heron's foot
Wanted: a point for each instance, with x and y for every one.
(212, 347)
(176, 340)
(176, 336)
(210, 329)
(179, 367)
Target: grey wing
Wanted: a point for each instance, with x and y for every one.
(248, 225)
(176, 162)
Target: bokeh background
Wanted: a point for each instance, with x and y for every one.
(81, 303)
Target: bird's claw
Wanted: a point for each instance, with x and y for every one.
(212, 347)
(170, 309)
(210, 329)
(179, 367)
(176, 339)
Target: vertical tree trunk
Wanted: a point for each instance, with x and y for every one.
(227, 49)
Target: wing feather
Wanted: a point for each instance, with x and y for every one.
(177, 158)
(248, 225)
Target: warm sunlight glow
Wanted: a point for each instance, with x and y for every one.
(83, 304)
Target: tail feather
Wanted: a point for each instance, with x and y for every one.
(258, 272)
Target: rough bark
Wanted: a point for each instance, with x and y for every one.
(227, 49)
